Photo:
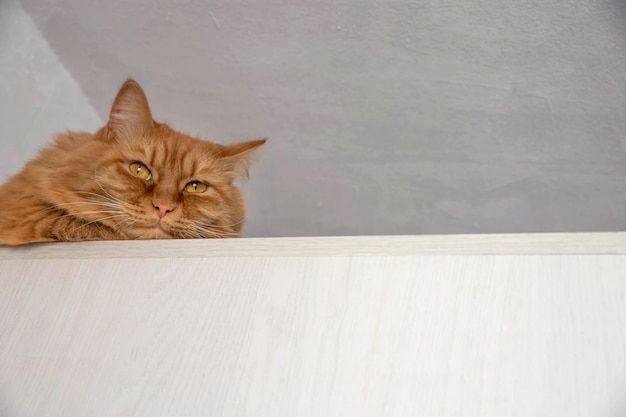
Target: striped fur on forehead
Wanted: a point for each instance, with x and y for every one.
(174, 154)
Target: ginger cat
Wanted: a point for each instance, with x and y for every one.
(132, 179)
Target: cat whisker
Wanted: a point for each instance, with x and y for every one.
(106, 202)
(225, 226)
(218, 226)
(101, 187)
(99, 220)
(57, 207)
(79, 213)
(190, 232)
(209, 230)
(96, 203)
(62, 207)
(106, 198)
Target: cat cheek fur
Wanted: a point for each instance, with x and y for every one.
(81, 188)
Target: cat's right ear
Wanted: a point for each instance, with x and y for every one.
(130, 114)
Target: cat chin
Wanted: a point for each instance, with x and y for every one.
(153, 233)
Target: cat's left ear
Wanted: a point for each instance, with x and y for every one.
(130, 114)
(239, 157)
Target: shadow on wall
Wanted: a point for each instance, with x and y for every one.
(39, 97)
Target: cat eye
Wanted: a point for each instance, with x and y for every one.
(140, 170)
(195, 187)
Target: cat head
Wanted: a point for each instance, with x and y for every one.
(160, 183)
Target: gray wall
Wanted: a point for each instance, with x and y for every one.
(390, 117)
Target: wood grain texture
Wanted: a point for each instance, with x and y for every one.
(428, 335)
(497, 244)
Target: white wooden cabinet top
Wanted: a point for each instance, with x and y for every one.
(484, 325)
(409, 245)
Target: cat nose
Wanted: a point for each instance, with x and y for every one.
(163, 208)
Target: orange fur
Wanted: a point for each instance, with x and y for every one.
(81, 187)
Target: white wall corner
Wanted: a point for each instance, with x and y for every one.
(38, 96)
